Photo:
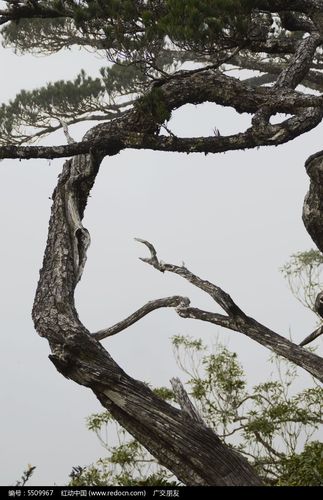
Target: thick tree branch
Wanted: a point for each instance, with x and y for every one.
(175, 301)
(108, 145)
(300, 63)
(236, 319)
(138, 130)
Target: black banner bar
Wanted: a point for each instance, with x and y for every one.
(154, 492)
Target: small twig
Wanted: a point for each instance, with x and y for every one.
(184, 401)
(269, 448)
(175, 301)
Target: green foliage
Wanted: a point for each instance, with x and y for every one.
(42, 36)
(304, 469)
(153, 107)
(98, 420)
(304, 275)
(123, 79)
(273, 424)
(269, 423)
(143, 40)
(33, 114)
(42, 109)
(94, 475)
(200, 25)
(164, 393)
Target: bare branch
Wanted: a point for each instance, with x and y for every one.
(210, 317)
(175, 301)
(312, 336)
(266, 445)
(184, 401)
(69, 138)
(237, 320)
(222, 298)
(110, 145)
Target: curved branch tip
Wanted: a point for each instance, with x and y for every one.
(152, 260)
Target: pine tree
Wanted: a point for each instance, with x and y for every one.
(146, 42)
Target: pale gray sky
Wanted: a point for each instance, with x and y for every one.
(233, 218)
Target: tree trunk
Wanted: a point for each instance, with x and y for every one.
(191, 451)
(313, 204)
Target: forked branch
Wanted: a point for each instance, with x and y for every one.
(236, 319)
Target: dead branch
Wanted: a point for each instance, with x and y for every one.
(236, 319)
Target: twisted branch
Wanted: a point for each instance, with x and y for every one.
(236, 319)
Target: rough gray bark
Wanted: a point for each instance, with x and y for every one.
(313, 204)
(192, 452)
(183, 444)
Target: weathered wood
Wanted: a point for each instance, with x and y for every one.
(192, 452)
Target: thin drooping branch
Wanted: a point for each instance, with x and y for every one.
(175, 301)
(318, 307)
(236, 319)
(271, 69)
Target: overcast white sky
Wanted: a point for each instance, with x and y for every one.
(233, 218)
